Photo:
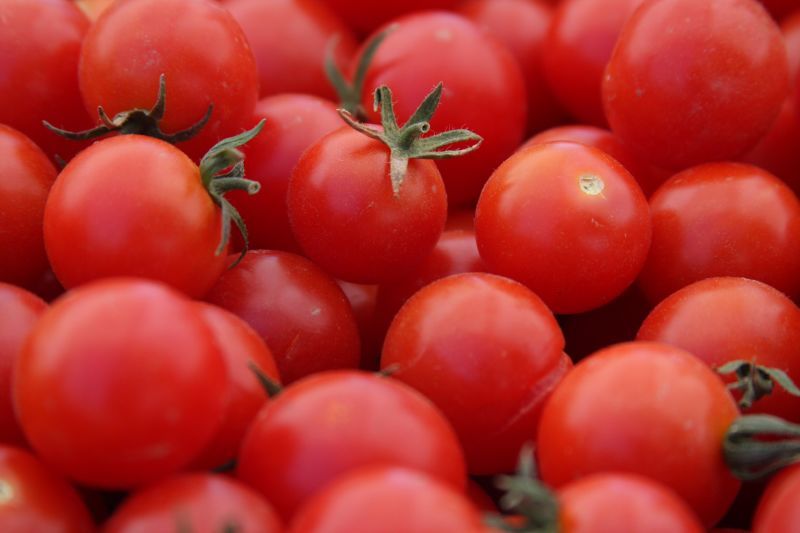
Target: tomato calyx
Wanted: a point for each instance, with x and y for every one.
(222, 171)
(138, 121)
(756, 381)
(407, 142)
(271, 387)
(758, 445)
(526, 497)
(350, 93)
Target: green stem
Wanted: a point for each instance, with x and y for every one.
(758, 445)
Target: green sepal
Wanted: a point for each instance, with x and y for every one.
(756, 381)
(758, 445)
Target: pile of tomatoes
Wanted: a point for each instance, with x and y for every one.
(328, 266)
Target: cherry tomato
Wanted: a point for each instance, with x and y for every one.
(34, 498)
(780, 8)
(685, 84)
(643, 408)
(241, 347)
(521, 25)
(389, 500)
(347, 218)
(19, 311)
(40, 42)
(568, 221)
(723, 219)
(365, 20)
(290, 40)
(298, 310)
(726, 319)
(111, 212)
(200, 503)
(120, 383)
(484, 91)
(460, 342)
(196, 44)
(293, 123)
(363, 300)
(335, 422)
(26, 176)
(779, 509)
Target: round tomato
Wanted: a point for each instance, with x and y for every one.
(200, 503)
(34, 498)
(335, 422)
(487, 352)
(685, 84)
(120, 383)
(299, 311)
(196, 44)
(779, 508)
(723, 219)
(389, 500)
(568, 221)
(643, 408)
(112, 212)
(26, 176)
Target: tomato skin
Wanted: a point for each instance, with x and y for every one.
(289, 40)
(335, 422)
(37, 498)
(205, 503)
(576, 248)
(724, 319)
(592, 503)
(135, 385)
(366, 20)
(389, 500)
(753, 233)
(26, 176)
(298, 310)
(240, 346)
(578, 46)
(432, 47)
(293, 123)
(146, 226)
(643, 408)
(19, 311)
(521, 25)
(779, 511)
(685, 84)
(119, 69)
(458, 341)
(347, 218)
(40, 42)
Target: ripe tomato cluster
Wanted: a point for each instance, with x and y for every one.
(329, 266)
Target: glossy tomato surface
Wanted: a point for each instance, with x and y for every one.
(365, 20)
(779, 509)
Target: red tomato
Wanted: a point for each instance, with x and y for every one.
(335, 422)
(521, 25)
(726, 319)
(293, 123)
(577, 49)
(594, 504)
(290, 40)
(389, 500)
(791, 35)
(34, 498)
(200, 503)
(365, 20)
(297, 309)
(347, 218)
(685, 84)
(460, 342)
(568, 221)
(644, 408)
(483, 90)
(198, 46)
(145, 225)
(723, 219)
(241, 347)
(40, 42)
(776, 152)
(26, 176)
(780, 8)
(120, 383)
(19, 311)
(362, 299)
(779, 509)
(648, 177)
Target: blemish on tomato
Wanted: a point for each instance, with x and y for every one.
(591, 184)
